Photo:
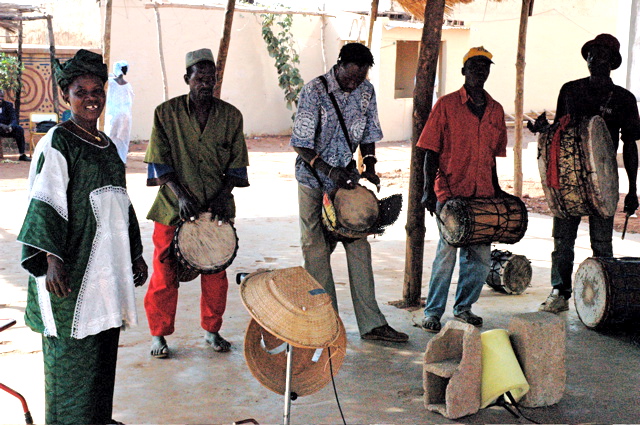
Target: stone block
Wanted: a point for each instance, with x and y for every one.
(539, 341)
(452, 371)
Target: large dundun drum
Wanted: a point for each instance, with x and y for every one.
(587, 169)
(607, 292)
(472, 221)
(509, 273)
(204, 246)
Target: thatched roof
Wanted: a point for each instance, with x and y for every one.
(416, 7)
(11, 14)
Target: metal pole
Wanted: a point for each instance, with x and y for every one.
(287, 386)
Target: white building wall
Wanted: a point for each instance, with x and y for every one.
(554, 40)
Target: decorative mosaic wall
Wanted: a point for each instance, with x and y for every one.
(38, 85)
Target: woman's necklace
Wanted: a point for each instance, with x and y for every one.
(96, 138)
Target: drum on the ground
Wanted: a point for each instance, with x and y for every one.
(204, 245)
(607, 292)
(584, 163)
(509, 273)
(472, 221)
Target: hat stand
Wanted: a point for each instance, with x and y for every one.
(305, 344)
(286, 420)
(288, 395)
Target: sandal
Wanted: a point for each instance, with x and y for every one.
(159, 348)
(431, 324)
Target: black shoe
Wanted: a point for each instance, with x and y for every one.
(431, 324)
(470, 318)
(24, 157)
(386, 333)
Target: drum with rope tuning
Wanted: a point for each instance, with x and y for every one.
(509, 273)
(473, 221)
(585, 166)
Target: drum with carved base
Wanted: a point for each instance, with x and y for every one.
(607, 292)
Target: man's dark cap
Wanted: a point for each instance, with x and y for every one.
(198, 56)
(608, 41)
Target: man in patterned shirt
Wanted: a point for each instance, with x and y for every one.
(325, 163)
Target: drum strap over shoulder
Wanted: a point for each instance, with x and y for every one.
(338, 112)
(553, 176)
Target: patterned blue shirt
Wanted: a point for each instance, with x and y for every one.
(317, 127)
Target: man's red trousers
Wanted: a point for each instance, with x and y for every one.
(162, 295)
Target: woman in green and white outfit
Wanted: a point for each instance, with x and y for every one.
(82, 249)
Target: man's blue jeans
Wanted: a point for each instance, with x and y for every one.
(475, 262)
(565, 231)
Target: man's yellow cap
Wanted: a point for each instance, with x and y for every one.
(477, 51)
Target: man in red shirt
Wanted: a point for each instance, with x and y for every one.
(464, 134)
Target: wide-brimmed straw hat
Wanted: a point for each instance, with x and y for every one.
(310, 371)
(292, 305)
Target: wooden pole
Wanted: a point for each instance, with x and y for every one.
(17, 101)
(422, 100)
(223, 49)
(52, 56)
(372, 20)
(160, 51)
(106, 46)
(527, 5)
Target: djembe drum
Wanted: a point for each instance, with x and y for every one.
(204, 245)
(357, 208)
(585, 166)
(509, 273)
(472, 221)
(607, 292)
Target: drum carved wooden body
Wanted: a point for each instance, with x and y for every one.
(471, 221)
(585, 166)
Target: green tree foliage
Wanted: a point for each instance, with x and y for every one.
(9, 70)
(276, 32)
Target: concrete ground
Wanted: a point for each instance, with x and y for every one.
(378, 383)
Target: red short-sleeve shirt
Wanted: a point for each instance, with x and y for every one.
(467, 145)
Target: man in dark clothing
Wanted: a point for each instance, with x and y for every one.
(585, 98)
(9, 126)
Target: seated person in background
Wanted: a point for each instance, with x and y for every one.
(9, 126)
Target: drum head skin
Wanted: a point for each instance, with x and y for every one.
(607, 292)
(590, 289)
(517, 274)
(205, 245)
(601, 166)
(356, 209)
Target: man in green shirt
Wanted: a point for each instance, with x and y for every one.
(197, 155)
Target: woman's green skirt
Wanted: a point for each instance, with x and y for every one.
(79, 378)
